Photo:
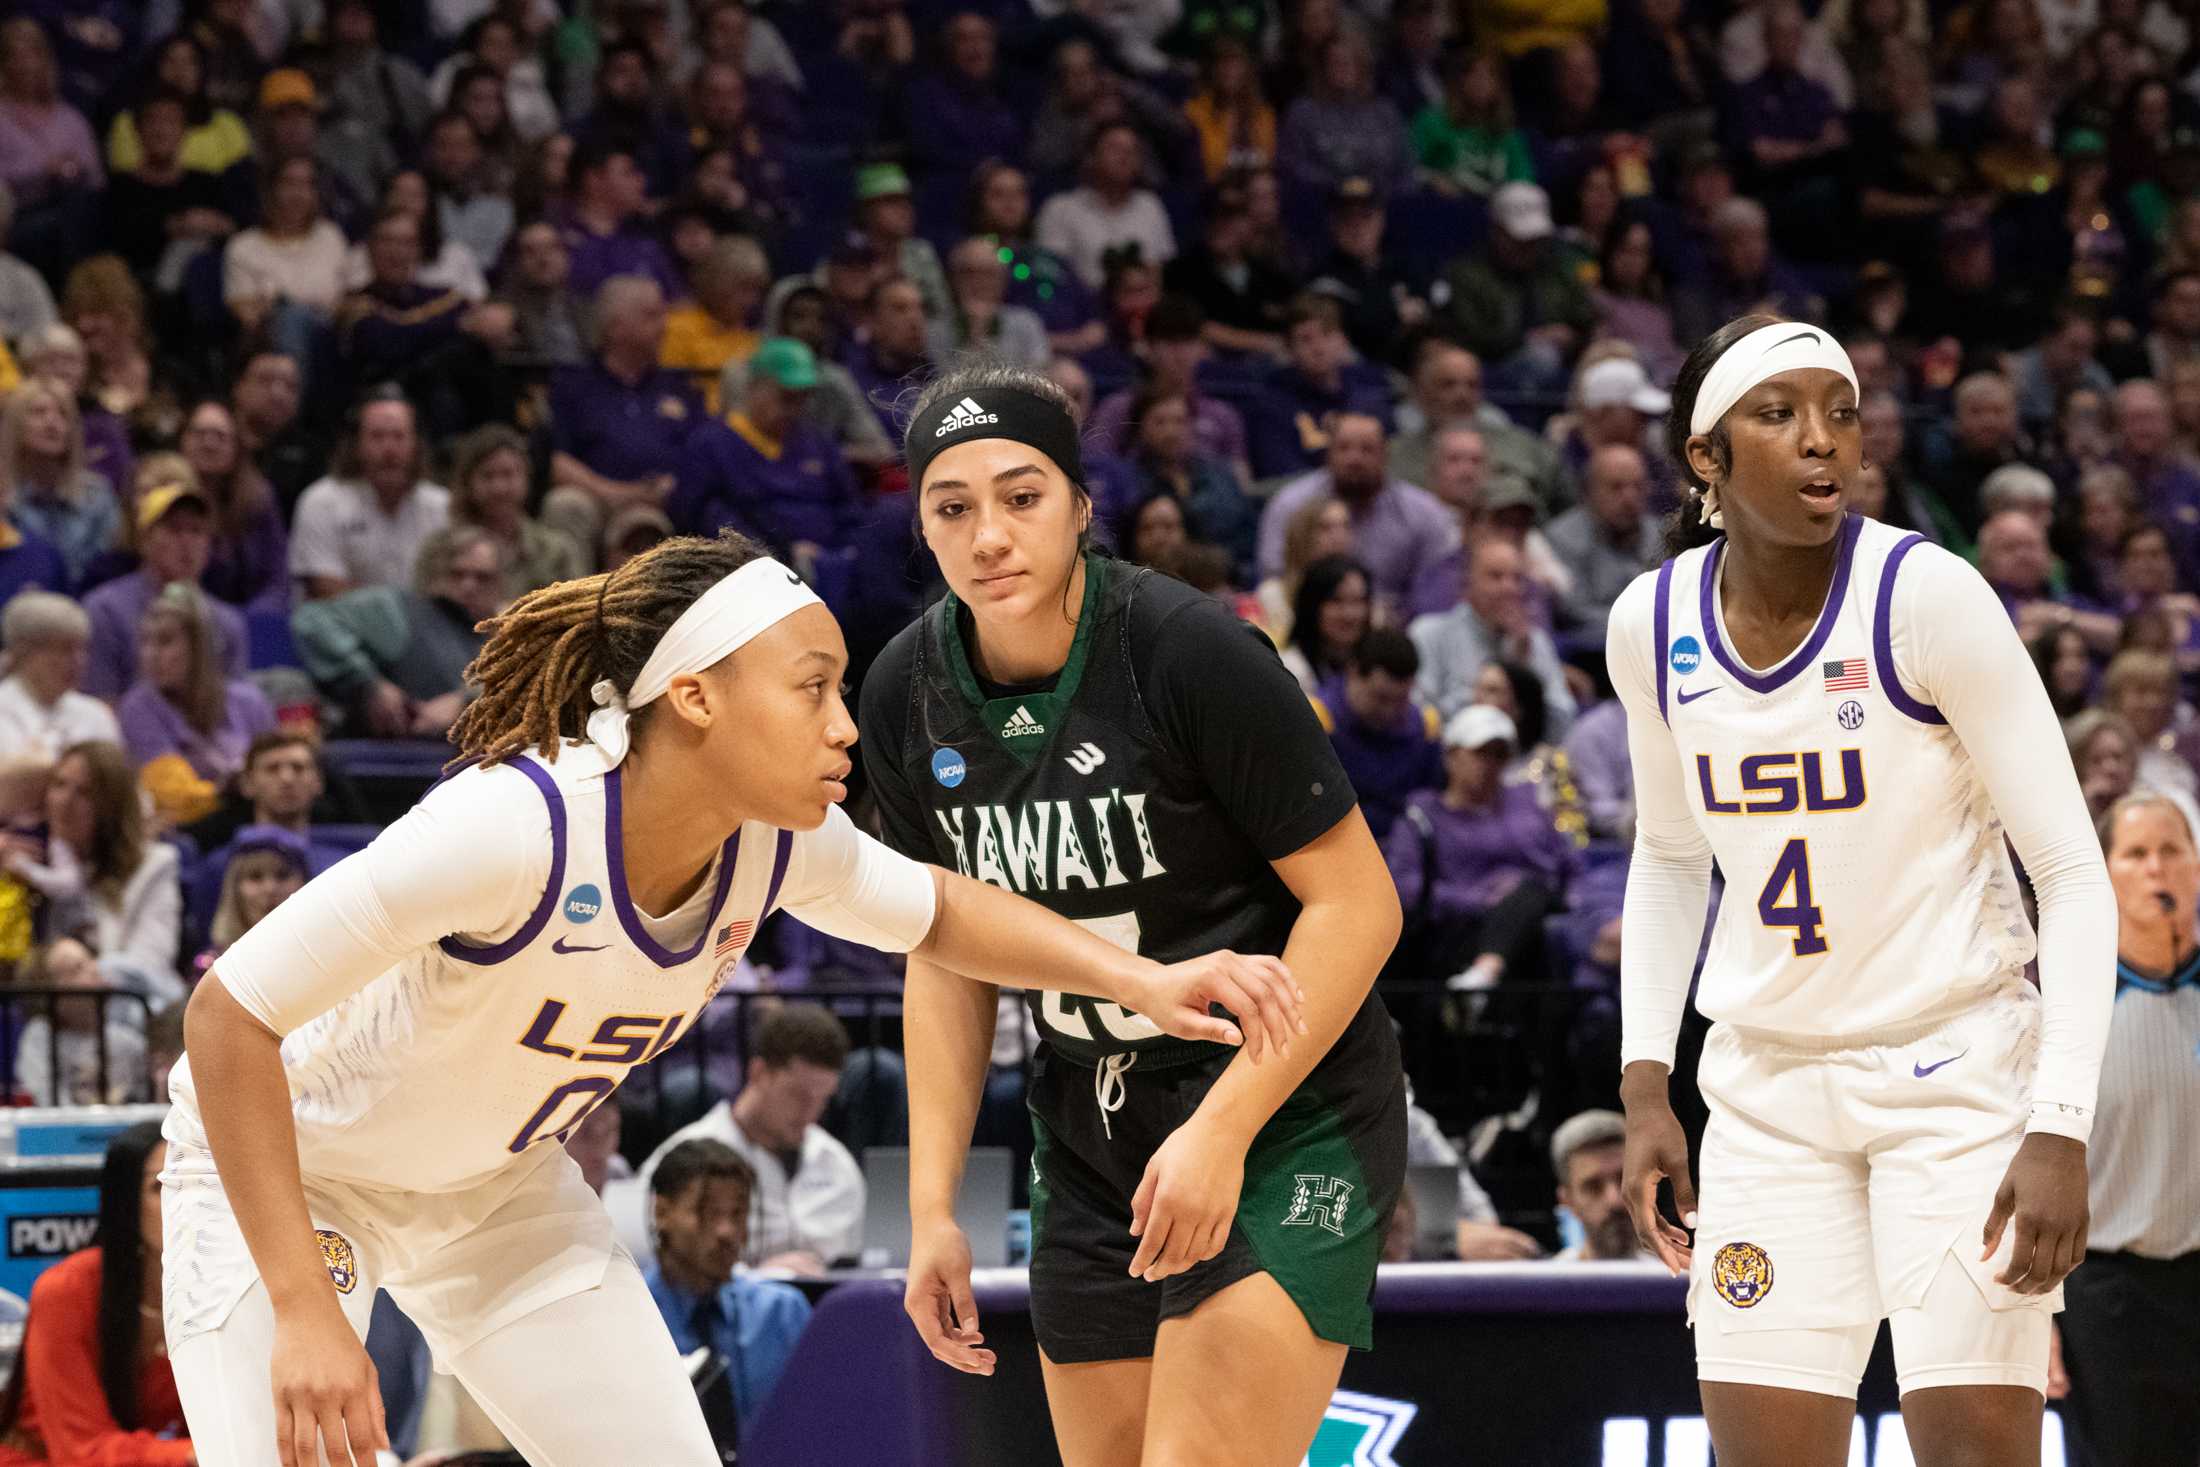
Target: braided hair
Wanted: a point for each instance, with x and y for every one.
(548, 648)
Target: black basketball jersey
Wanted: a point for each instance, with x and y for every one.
(1142, 792)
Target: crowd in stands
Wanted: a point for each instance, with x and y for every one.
(327, 327)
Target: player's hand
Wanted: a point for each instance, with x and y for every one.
(939, 1300)
(1184, 1205)
(327, 1395)
(2044, 1192)
(1259, 990)
(1657, 1149)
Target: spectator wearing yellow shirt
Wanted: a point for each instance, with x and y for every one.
(703, 334)
(215, 139)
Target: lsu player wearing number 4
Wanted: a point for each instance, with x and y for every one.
(1842, 716)
(378, 1075)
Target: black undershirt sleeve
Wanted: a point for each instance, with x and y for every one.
(1217, 691)
(883, 721)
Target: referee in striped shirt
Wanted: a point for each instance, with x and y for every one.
(2131, 1325)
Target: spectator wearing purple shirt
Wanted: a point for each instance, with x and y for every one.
(1039, 279)
(1399, 530)
(602, 229)
(628, 115)
(183, 701)
(618, 426)
(1342, 129)
(48, 156)
(1479, 859)
(1175, 346)
(888, 358)
(1384, 736)
(958, 112)
(765, 471)
(1597, 750)
(1297, 408)
(250, 561)
(175, 539)
(2168, 484)
(1788, 126)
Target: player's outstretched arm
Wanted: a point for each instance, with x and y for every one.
(995, 936)
(948, 1045)
(326, 1390)
(852, 886)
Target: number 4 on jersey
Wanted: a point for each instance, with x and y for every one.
(1808, 920)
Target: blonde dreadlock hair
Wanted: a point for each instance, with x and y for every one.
(550, 647)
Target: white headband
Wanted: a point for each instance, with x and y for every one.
(754, 598)
(1766, 352)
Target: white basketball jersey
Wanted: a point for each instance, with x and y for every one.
(1867, 881)
(443, 1069)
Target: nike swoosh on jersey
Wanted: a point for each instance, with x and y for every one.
(562, 946)
(1685, 697)
(1921, 1071)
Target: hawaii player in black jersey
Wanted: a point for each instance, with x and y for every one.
(1119, 748)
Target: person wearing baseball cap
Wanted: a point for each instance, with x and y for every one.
(1516, 303)
(1616, 404)
(172, 528)
(887, 215)
(1377, 295)
(766, 470)
(1479, 859)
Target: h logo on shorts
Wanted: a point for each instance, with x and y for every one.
(1319, 1200)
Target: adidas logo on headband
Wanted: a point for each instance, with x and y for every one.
(967, 414)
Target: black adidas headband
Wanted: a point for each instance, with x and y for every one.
(995, 412)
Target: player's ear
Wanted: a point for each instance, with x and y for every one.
(1705, 460)
(691, 700)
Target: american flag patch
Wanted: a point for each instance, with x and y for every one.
(731, 939)
(1847, 676)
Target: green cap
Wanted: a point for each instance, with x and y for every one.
(786, 361)
(2085, 143)
(881, 181)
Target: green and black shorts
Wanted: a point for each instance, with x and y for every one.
(1321, 1181)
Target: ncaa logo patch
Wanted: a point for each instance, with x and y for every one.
(1686, 655)
(1850, 715)
(948, 767)
(343, 1267)
(1742, 1274)
(582, 903)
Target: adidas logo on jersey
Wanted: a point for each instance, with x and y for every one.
(967, 414)
(1021, 724)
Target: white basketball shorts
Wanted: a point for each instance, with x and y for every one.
(460, 1264)
(1849, 1181)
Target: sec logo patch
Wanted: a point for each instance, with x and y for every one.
(1742, 1274)
(343, 1266)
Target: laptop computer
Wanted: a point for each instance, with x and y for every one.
(981, 1207)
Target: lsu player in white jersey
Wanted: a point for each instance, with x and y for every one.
(378, 1074)
(1840, 714)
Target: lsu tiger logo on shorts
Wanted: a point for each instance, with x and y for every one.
(1742, 1274)
(336, 1254)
